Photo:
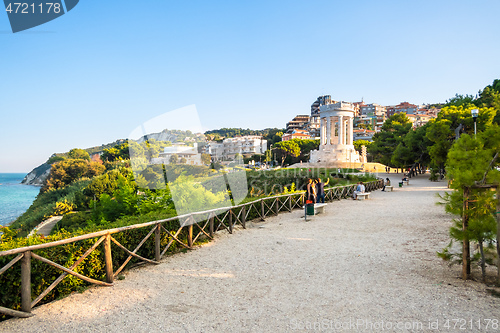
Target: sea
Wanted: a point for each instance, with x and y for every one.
(15, 198)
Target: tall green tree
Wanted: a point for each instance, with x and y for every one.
(79, 154)
(461, 100)
(65, 172)
(473, 162)
(359, 143)
(268, 156)
(442, 131)
(386, 141)
(287, 148)
(413, 149)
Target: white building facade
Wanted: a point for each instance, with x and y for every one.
(190, 154)
(244, 145)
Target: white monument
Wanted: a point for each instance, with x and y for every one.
(336, 132)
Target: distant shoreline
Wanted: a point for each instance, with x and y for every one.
(14, 199)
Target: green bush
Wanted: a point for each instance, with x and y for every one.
(73, 222)
(45, 205)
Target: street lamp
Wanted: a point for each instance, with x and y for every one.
(475, 113)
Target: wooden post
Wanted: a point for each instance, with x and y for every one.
(277, 206)
(498, 234)
(466, 244)
(108, 259)
(230, 221)
(290, 202)
(244, 217)
(26, 282)
(190, 236)
(262, 209)
(157, 242)
(211, 226)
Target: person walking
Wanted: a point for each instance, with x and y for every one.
(320, 190)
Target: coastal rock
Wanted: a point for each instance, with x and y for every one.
(37, 176)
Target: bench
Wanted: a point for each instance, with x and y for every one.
(388, 188)
(318, 208)
(363, 196)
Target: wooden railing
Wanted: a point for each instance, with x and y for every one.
(226, 218)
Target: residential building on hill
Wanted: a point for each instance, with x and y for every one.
(372, 109)
(418, 120)
(357, 107)
(228, 148)
(314, 121)
(402, 107)
(363, 134)
(300, 122)
(215, 150)
(185, 155)
(244, 145)
(296, 134)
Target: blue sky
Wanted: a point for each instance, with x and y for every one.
(96, 73)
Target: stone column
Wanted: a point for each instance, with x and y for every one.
(332, 129)
(341, 130)
(351, 130)
(322, 131)
(328, 127)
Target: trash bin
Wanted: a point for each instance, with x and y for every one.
(310, 209)
(400, 184)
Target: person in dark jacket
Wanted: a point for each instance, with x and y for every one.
(320, 189)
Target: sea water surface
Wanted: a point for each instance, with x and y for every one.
(14, 197)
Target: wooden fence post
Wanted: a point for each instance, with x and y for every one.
(108, 259)
(466, 244)
(26, 282)
(277, 206)
(244, 216)
(290, 202)
(262, 210)
(230, 221)
(211, 226)
(498, 233)
(157, 242)
(190, 236)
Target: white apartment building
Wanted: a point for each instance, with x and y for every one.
(244, 145)
(190, 154)
(215, 150)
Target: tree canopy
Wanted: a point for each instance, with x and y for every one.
(65, 172)
(287, 148)
(391, 135)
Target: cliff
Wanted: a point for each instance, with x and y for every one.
(38, 175)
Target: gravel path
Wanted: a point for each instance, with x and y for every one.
(364, 265)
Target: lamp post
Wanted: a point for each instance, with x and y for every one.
(475, 113)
